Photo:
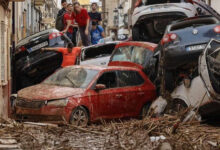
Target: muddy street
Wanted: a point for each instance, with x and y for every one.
(164, 133)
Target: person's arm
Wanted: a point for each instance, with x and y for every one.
(50, 49)
(103, 34)
(67, 27)
(87, 27)
(99, 19)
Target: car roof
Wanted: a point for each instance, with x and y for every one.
(148, 45)
(26, 39)
(102, 68)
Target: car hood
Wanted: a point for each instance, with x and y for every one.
(48, 92)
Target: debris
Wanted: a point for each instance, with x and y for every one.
(157, 138)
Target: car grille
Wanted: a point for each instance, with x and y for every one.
(29, 104)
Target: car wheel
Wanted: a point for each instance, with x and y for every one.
(79, 117)
(145, 110)
(177, 105)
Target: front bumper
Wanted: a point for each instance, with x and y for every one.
(44, 114)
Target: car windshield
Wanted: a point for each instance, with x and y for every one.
(135, 54)
(72, 77)
(152, 2)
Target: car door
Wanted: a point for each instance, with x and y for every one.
(109, 99)
(132, 90)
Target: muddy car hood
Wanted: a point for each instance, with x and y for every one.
(48, 92)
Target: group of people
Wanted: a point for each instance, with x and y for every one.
(75, 18)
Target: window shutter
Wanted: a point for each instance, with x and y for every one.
(3, 54)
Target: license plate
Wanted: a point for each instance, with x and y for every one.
(196, 47)
(36, 47)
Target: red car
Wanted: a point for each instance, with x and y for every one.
(83, 94)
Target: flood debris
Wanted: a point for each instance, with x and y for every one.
(125, 135)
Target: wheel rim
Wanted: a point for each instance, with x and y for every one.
(79, 118)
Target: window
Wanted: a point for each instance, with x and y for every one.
(129, 78)
(108, 79)
(3, 54)
(135, 54)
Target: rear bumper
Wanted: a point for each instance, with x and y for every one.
(177, 56)
(44, 114)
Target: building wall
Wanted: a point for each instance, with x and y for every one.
(5, 77)
(215, 4)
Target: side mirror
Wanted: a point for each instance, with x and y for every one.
(99, 87)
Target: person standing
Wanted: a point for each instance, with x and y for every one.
(83, 20)
(68, 20)
(97, 33)
(63, 10)
(94, 14)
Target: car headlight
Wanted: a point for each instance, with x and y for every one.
(58, 103)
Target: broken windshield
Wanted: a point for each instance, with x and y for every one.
(72, 77)
(135, 54)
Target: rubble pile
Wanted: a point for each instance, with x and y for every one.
(167, 132)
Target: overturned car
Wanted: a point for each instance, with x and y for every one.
(203, 92)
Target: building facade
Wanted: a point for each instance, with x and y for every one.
(5, 45)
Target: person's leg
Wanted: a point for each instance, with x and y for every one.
(70, 35)
(84, 37)
(74, 36)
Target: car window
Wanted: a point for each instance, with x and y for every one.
(59, 41)
(129, 78)
(108, 79)
(72, 77)
(135, 54)
(98, 51)
(152, 2)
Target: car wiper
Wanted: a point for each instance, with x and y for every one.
(70, 80)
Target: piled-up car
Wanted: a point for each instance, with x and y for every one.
(30, 64)
(203, 93)
(181, 46)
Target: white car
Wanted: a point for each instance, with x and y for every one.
(98, 54)
(149, 20)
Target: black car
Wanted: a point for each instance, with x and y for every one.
(30, 64)
(182, 44)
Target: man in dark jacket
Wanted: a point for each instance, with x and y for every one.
(94, 14)
(63, 10)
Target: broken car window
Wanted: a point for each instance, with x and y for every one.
(108, 79)
(135, 54)
(72, 77)
(129, 78)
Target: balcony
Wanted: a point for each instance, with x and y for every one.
(39, 2)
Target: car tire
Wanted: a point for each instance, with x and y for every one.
(79, 117)
(144, 111)
(177, 105)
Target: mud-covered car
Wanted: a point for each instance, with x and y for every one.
(30, 64)
(182, 45)
(203, 92)
(150, 19)
(83, 94)
(98, 54)
(135, 54)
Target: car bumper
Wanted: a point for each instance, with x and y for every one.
(44, 114)
(177, 56)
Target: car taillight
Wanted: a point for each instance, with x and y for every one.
(217, 29)
(55, 35)
(169, 38)
(22, 48)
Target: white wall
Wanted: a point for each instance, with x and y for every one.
(216, 5)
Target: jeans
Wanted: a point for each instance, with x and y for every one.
(74, 36)
(86, 39)
(70, 35)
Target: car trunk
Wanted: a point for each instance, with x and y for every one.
(151, 27)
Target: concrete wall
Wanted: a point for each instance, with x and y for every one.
(216, 5)
(5, 43)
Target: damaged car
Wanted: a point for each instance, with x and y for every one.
(82, 94)
(135, 54)
(30, 64)
(202, 94)
(150, 17)
(181, 46)
(98, 54)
